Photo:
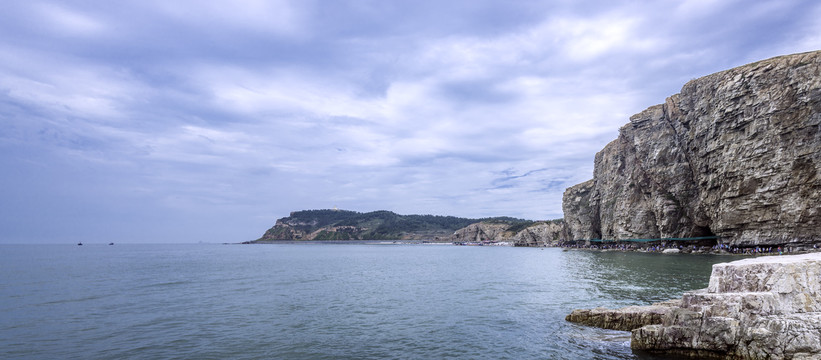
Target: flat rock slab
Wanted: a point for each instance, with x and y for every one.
(760, 308)
(624, 319)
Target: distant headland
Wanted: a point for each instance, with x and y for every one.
(386, 225)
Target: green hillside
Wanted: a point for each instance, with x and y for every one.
(376, 225)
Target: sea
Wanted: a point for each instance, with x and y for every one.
(325, 301)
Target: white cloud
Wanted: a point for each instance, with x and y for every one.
(258, 91)
(64, 21)
(588, 39)
(77, 93)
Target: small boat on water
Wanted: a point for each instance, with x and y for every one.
(111, 243)
(79, 244)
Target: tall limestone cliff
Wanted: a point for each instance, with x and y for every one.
(736, 154)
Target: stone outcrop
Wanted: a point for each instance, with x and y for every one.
(758, 308)
(546, 233)
(625, 319)
(482, 231)
(289, 229)
(736, 154)
(581, 218)
(549, 233)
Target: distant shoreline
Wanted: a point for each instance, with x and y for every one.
(700, 250)
(347, 242)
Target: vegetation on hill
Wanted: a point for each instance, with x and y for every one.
(376, 225)
(519, 226)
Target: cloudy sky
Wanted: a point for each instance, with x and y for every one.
(187, 121)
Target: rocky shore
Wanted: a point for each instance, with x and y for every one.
(683, 248)
(624, 319)
(757, 308)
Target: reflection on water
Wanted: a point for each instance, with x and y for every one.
(631, 278)
(618, 279)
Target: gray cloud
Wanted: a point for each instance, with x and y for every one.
(205, 121)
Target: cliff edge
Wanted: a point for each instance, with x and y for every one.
(735, 155)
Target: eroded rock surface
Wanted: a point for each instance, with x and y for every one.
(759, 308)
(625, 319)
(736, 154)
(482, 231)
(549, 233)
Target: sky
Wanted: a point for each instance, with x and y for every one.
(205, 121)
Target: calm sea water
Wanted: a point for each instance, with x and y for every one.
(324, 301)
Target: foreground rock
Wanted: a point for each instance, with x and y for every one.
(735, 154)
(760, 308)
(625, 319)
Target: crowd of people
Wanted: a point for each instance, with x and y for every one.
(687, 248)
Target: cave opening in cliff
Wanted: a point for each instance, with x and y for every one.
(705, 232)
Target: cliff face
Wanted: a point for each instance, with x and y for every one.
(581, 218)
(482, 231)
(735, 154)
(549, 233)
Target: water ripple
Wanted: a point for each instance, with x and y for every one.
(324, 302)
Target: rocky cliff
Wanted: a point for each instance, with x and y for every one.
(736, 154)
(543, 233)
(548, 233)
(482, 231)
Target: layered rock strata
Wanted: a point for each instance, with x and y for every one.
(482, 231)
(758, 308)
(736, 154)
(624, 319)
(549, 233)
